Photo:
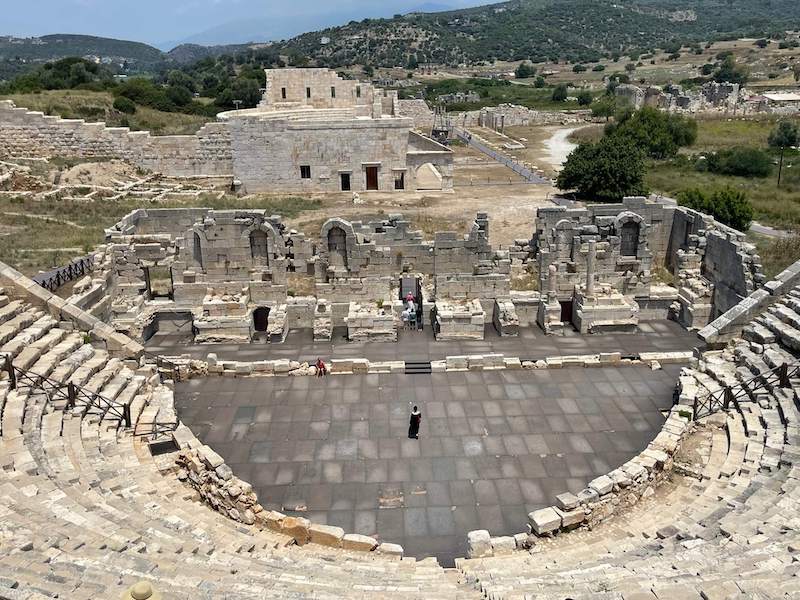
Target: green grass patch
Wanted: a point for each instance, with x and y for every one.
(776, 254)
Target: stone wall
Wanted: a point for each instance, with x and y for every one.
(25, 133)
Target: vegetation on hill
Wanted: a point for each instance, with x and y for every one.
(538, 30)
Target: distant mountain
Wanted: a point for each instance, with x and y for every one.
(52, 47)
(576, 30)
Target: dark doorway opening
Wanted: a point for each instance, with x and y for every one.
(372, 178)
(261, 318)
(566, 311)
(629, 239)
(345, 180)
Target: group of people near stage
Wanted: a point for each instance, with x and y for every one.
(412, 313)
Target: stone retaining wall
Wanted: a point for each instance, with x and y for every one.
(34, 134)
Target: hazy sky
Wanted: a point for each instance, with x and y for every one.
(162, 21)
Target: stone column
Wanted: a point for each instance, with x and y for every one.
(552, 280)
(590, 269)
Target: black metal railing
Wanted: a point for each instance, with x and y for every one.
(744, 391)
(54, 279)
(71, 395)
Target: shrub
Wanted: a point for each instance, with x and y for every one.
(579, 68)
(606, 171)
(524, 71)
(658, 133)
(539, 83)
(585, 98)
(728, 205)
(598, 68)
(125, 105)
(740, 161)
(560, 93)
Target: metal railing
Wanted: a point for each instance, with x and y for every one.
(55, 278)
(524, 172)
(724, 397)
(71, 395)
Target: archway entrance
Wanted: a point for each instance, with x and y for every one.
(337, 247)
(629, 239)
(261, 318)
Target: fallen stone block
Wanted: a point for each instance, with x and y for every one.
(326, 535)
(479, 544)
(503, 545)
(297, 528)
(356, 541)
(544, 520)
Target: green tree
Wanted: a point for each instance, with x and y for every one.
(560, 93)
(728, 205)
(607, 170)
(539, 83)
(585, 98)
(731, 72)
(525, 71)
(739, 162)
(124, 105)
(579, 68)
(658, 133)
(604, 107)
(783, 136)
(762, 43)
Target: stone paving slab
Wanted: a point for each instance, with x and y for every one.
(532, 343)
(493, 446)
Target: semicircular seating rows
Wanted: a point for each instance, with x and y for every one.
(86, 510)
(728, 529)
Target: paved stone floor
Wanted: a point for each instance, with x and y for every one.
(532, 343)
(493, 445)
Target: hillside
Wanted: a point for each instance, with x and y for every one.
(185, 54)
(50, 47)
(576, 30)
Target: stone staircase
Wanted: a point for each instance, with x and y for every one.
(725, 526)
(86, 510)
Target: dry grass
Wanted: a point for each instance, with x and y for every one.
(34, 244)
(777, 254)
(99, 106)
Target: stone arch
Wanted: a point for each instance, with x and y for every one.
(337, 247)
(630, 228)
(563, 232)
(336, 236)
(428, 177)
(265, 242)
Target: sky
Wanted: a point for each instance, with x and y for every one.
(164, 23)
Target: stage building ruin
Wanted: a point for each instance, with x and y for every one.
(224, 275)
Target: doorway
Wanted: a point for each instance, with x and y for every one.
(345, 181)
(261, 318)
(566, 311)
(372, 178)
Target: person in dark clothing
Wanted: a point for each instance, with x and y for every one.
(413, 425)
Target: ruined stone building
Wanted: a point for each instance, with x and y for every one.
(312, 131)
(229, 275)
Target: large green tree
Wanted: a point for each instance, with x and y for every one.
(728, 205)
(607, 170)
(658, 133)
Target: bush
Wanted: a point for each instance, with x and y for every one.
(125, 105)
(585, 98)
(658, 133)
(539, 83)
(560, 93)
(524, 71)
(740, 162)
(606, 171)
(599, 68)
(727, 205)
(579, 68)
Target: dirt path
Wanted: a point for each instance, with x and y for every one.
(558, 147)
